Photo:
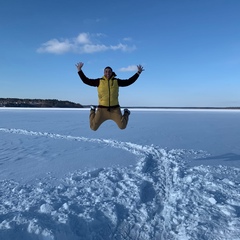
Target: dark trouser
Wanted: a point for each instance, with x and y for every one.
(103, 114)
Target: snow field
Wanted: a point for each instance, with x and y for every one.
(159, 198)
(175, 178)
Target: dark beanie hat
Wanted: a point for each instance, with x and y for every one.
(108, 68)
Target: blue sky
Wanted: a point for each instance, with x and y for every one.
(190, 50)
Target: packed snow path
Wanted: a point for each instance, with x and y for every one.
(159, 198)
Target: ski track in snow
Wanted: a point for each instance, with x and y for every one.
(160, 198)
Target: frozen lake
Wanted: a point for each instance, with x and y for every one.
(169, 175)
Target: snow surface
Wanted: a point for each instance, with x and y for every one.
(169, 175)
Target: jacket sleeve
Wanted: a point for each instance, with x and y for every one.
(127, 82)
(88, 81)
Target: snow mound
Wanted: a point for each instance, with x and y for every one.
(159, 198)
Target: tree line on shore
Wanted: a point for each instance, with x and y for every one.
(37, 103)
(54, 103)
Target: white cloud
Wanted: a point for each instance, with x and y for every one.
(83, 38)
(55, 46)
(123, 47)
(91, 48)
(128, 39)
(130, 68)
(83, 43)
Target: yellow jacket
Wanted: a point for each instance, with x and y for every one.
(108, 91)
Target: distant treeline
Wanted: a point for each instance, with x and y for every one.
(54, 103)
(37, 103)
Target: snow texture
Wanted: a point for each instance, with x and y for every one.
(52, 187)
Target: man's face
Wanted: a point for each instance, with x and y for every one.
(107, 73)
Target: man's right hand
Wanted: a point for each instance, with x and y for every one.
(79, 66)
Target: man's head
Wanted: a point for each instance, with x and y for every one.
(108, 72)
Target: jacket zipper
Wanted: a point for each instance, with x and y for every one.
(109, 95)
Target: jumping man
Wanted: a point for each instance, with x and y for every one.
(108, 90)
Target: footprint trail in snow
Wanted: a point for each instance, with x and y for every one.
(160, 198)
